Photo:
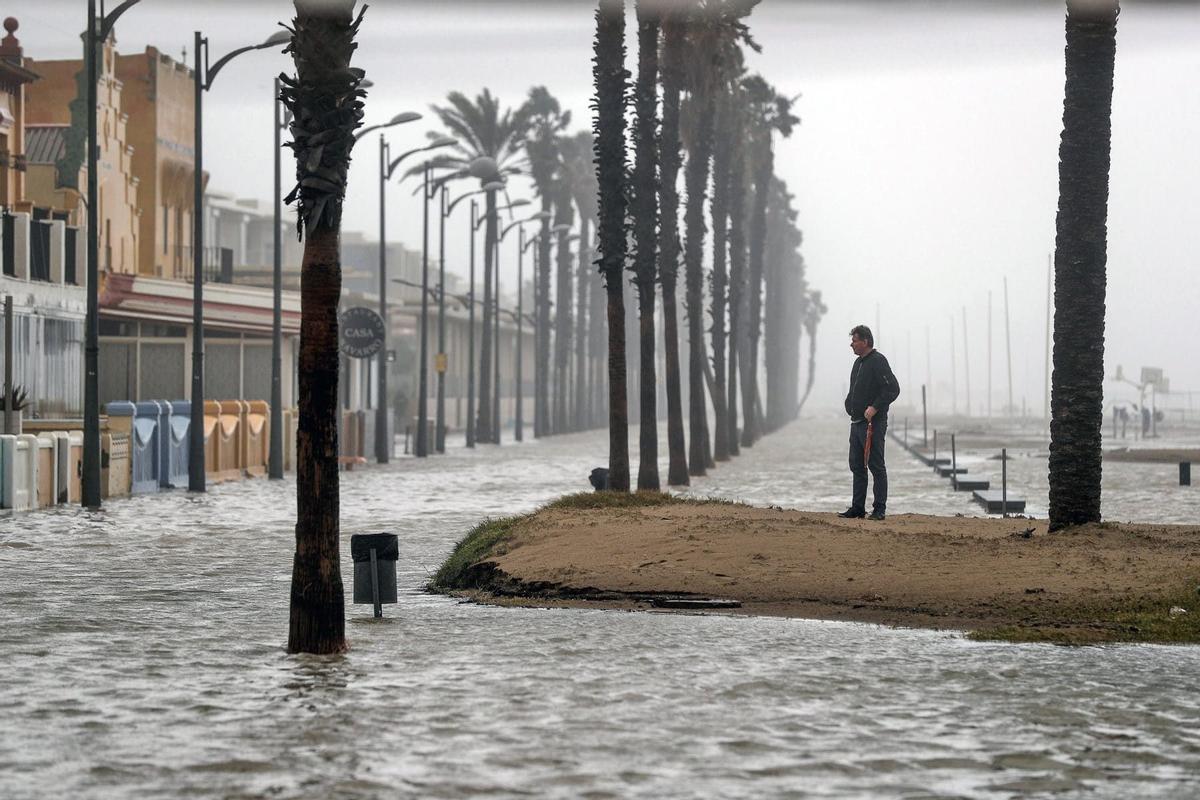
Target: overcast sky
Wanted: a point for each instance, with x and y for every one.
(925, 167)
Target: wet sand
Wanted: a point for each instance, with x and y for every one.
(1095, 582)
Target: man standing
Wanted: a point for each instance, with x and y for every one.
(873, 388)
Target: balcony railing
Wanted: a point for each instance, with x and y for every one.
(216, 264)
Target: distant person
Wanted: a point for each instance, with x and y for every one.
(873, 388)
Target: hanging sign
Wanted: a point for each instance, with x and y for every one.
(362, 332)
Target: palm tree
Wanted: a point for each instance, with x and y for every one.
(814, 310)
(738, 189)
(488, 147)
(713, 33)
(548, 121)
(645, 230)
(577, 163)
(325, 100)
(768, 112)
(564, 219)
(1080, 259)
(674, 26)
(784, 308)
(612, 79)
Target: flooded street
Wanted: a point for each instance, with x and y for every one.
(143, 658)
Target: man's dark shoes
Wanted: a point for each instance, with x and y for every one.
(853, 513)
(876, 515)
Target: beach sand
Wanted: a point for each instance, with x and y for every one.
(1096, 582)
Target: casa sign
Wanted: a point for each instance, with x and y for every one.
(361, 332)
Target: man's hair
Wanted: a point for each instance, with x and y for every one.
(864, 333)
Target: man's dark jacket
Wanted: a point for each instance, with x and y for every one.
(871, 384)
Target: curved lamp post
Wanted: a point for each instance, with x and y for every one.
(97, 31)
(204, 77)
(519, 418)
(383, 438)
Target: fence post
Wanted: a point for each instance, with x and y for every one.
(1004, 482)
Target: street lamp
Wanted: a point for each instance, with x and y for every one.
(422, 449)
(204, 77)
(383, 439)
(97, 32)
(518, 426)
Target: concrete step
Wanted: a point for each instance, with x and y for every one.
(991, 500)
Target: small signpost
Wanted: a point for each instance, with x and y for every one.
(362, 332)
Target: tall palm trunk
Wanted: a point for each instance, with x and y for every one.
(541, 403)
(611, 79)
(322, 45)
(645, 227)
(563, 215)
(763, 170)
(719, 285)
(737, 280)
(598, 352)
(696, 179)
(583, 274)
(1080, 260)
(483, 426)
(674, 43)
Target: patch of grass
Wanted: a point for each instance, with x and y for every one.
(486, 538)
(1130, 619)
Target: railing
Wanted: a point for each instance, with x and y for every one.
(216, 263)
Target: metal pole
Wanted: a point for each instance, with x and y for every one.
(422, 388)
(953, 372)
(518, 433)
(924, 419)
(966, 362)
(9, 428)
(275, 465)
(440, 435)
(496, 338)
(989, 360)
(383, 439)
(471, 336)
(91, 351)
(196, 433)
(1008, 346)
(375, 585)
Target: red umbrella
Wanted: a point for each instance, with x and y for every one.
(867, 445)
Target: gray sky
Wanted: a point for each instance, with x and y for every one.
(925, 167)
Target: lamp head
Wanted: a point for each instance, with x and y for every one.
(542, 215)
(445, 141)
(278, 38)
(484, 168)
(493, 186)
(403, 117)
(518, 203)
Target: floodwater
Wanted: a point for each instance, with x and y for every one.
(141, 656)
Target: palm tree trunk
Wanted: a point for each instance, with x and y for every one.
(597, 352)
(722, 153)
(322, 45)
(611, 79)
(764, 169)
(483, 425)
(1080, 261)
(696, 178)
(582, 279)
(541, 403)
(674, 40)
(645, 226)
(737, 280)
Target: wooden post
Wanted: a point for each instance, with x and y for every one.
(1004, 482)
(953, 463)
